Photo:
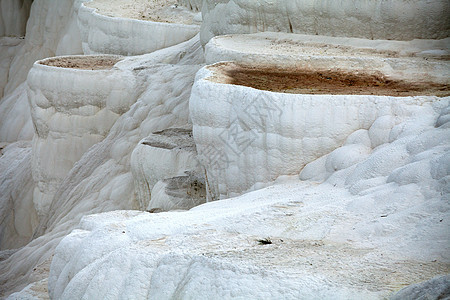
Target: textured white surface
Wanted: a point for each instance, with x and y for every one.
(115, 35)
(327, 243)
(51, 30)
(436, 288)
(391, 19)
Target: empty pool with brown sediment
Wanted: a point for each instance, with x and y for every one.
(83, 62)
(316, 82)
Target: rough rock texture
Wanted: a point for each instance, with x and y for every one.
(392, 19)
(51, 30)
(8, 49)
(326, 242)
(372, 217)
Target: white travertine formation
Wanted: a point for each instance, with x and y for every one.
(327, 243)
(180, 192)
(13, 17)
(391, 19)
(122, 36)
(18, 217)
(69, 120)
(15, 118)
(269, 134)
(375, 199)
(8, 49)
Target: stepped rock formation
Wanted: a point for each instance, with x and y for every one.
(224, 149)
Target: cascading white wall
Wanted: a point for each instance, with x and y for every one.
(392, 19)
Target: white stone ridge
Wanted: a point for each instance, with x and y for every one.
(246, 137)
(417, 60)
(13, 17)
(392, 19)
(123, 36)
(72, 109)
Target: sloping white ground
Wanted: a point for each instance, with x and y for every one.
(329, 241)
(128, 36)
(391, 19)
(18, 217)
